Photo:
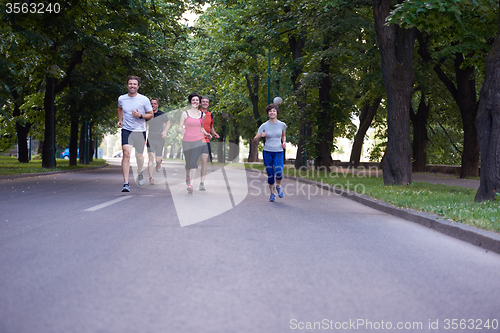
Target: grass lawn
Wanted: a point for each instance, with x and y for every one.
(452, 202)
(10, 166)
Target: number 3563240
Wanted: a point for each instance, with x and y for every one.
(32, 8)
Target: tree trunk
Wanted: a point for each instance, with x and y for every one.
(49, 141)
(73, 143)
(22, 131)
(172, 150)
(305, 131)
(220, 150)
(81, 143)
(253, 92)
(420, 137)
(327, 120)
(464, 94)
(234, 148)
(53, 88)
(488, 126)
(297, 44)
(22, 128)
(253, 155)
(92, 143)
(467, 104)
(368, 112)
(396, 49)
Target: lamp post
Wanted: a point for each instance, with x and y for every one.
(269, 72)
(277, 100)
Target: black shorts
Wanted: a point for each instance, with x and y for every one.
(155, 143)
(206, 148)
(192, 152)
(136, 139)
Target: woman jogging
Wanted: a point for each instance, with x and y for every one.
(275, 133)
(191, 127)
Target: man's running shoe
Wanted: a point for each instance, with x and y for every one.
(158, 167)
(151, 181)
(272, 197)
(190, 189)
(126, 187)
(202, 186)
(140, 179)
(188, 181)
(280, 191)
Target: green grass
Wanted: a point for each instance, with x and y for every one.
(452, 202)
(11, 166)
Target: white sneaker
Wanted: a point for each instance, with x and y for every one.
(140, 179)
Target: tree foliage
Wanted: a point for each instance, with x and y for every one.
(83, 54)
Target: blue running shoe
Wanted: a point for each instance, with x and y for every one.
(280, 191)
(126, 187)
(272, 197)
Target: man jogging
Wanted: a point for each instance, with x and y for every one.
(133, 110)
(156, 138)
(208, 125)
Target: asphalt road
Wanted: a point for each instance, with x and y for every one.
(77, 255)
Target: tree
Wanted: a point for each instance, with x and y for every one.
(488, 125)
(396, 50)
(229, 58)
(367, 113)
(420, 137)
(116, 38)
(456, 35)
(19, 80)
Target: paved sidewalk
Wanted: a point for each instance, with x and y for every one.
(436, 178)
(432, 178)
(485, 239)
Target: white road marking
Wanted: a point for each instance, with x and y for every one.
(106, 204)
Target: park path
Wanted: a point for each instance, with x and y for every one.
(77, 255)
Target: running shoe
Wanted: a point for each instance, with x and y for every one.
(190, 189)
(188, 181)
(272, 197)
(158, 167)
(126, 187)
(202, 186)
(140, 178)
(280, 191)
(151, 181)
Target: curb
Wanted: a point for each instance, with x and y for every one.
(487, 240)
(28, 175)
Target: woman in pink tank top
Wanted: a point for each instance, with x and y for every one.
(192, 145)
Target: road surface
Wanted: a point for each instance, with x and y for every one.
(78, 255)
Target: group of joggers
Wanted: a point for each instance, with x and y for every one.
(136, 112)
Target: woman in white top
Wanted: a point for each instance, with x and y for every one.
(275, 133)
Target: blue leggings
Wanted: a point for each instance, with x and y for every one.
(273, 161)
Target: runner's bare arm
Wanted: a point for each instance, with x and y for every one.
(181, 128)
(120, 117)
